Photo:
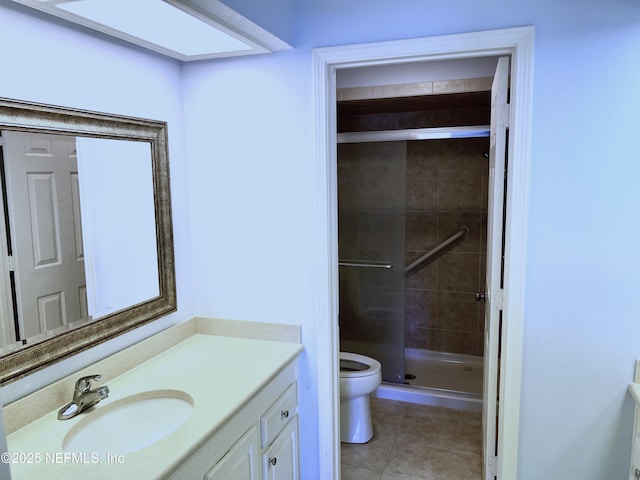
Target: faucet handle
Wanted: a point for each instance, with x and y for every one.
(83, 384)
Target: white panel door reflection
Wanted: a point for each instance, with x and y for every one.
(81, 230)
(44, 212)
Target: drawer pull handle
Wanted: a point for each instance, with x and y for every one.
(273, 461)
(284, 414)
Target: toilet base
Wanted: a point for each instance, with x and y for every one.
(355, 420)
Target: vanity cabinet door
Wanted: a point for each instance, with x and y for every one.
(280, 460)
(241, 462)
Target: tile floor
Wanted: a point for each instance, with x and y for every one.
(416, 442)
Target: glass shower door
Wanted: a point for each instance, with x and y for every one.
(371, 246)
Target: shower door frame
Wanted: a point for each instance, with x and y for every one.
(514, 42)
(367, 288)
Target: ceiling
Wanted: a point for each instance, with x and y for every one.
(186, 30)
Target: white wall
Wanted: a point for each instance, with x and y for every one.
(252, 181)
(116, 194)
(48, 62)
(250, 134)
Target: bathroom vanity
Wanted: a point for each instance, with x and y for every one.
(190, 402)
(634, 389)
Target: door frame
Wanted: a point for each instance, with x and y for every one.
(515, 42)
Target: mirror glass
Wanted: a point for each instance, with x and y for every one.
(86, 229)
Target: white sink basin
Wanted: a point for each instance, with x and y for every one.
(130, 423)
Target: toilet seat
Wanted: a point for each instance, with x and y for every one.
(353, 365)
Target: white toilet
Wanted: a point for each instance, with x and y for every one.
(359, 377)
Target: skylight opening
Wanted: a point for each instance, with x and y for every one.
(156, 22)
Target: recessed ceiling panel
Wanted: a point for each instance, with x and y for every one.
(159, 23)
(182, 29)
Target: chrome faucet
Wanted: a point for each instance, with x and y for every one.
(83, 397)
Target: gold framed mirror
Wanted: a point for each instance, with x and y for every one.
(29, 354)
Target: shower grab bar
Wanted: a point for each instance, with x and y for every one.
(445, 243)
(364, 264)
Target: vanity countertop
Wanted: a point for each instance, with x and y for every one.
(220, 373)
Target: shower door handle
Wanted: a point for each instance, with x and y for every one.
(481, 297)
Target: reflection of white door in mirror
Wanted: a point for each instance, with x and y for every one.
(45, 232)
(81, 230)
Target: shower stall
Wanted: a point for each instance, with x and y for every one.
(412, 216)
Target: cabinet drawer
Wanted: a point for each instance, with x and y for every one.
(278, 414)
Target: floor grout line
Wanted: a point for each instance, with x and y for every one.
(360, 465)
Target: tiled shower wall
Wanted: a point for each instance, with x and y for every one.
(446, 188)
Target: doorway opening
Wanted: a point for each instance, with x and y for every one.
(412, 225)
(518, 44)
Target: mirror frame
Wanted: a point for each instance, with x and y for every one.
(25, 116)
